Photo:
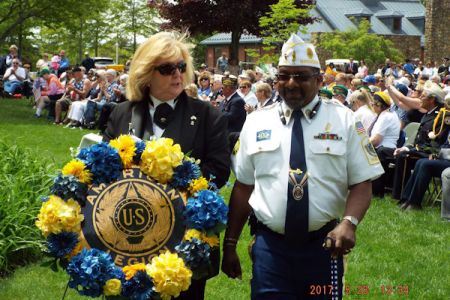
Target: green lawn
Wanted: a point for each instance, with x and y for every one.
(394, 249)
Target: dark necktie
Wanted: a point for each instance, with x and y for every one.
(369, 131)
(296, 226)
(163, 115)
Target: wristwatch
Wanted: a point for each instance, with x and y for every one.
(352, 220)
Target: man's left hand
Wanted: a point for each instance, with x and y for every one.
(343, 237)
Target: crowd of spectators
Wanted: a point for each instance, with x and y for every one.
(385, 102)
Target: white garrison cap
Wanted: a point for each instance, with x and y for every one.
(296, 52)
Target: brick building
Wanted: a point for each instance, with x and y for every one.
(437, 30)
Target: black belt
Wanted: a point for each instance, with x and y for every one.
(312, 235)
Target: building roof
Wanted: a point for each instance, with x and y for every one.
(337, 14)
(225, 39)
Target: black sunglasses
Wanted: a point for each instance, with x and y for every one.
(296, 77)
(203, 79)
(170, 69)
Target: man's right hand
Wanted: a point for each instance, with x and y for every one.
(231, 264)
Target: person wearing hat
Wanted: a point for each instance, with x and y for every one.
(88, 62)
(325, 93)
(295, 201)
(76, 90)
(233, 108)
(383, 133)
(340, 94)
(432, 99)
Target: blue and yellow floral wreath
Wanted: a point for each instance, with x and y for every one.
(92, 271)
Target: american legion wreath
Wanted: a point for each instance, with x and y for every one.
(132, 219)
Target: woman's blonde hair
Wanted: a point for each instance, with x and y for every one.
(161, 46)
(191, 90)
(265, 89)
(204, 74)
(362, 95)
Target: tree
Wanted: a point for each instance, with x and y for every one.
(283, 19)
(360, 44)
(209, 16)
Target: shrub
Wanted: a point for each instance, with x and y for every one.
(24, 177)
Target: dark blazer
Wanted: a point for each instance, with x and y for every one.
(234, 111)
(353, 69)
(198, 127)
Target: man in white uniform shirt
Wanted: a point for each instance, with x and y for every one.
(301, 165)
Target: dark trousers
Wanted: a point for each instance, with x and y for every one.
(284, 272)
(386, 156)
(51, 105)
(89, 114)
(196, 291)
(104, 115)
(418, 183)
(404, 164)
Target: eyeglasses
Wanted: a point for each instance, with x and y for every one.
(296, 77)
(170, 69)
(15, 63)
(203, 79)
(243, 87)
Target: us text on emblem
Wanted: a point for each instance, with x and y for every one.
(133, 218)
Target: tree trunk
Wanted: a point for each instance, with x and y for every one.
(234, 47)
(80, 42)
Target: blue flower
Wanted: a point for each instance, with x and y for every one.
(206, 212)
(62, 243)
(184, 173)
(140, 147)
(195, 253)
(89, 271)
(140, 287)
(67, 187)
(103, 161)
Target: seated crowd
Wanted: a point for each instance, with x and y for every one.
(386, 104)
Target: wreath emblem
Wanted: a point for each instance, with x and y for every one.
(132, 219)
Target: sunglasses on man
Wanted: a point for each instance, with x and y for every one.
(170, 69)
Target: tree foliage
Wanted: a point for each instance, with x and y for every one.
(38, 26)
(283, 19)
(210, 16)
(360, 44)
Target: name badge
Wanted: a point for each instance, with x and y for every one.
(263, 135)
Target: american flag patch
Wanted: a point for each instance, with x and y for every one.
(360, 128)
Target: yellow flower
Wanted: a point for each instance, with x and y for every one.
(159, 159)
(170, 275)
(126, 148)
(56, 215)
(192, 233)
(78, 169)
(130, 271)
(198, 185)
(112, 287)
(212, 241)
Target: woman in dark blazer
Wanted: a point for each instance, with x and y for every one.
(158, 106)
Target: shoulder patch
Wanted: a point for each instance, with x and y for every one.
(370, 152)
